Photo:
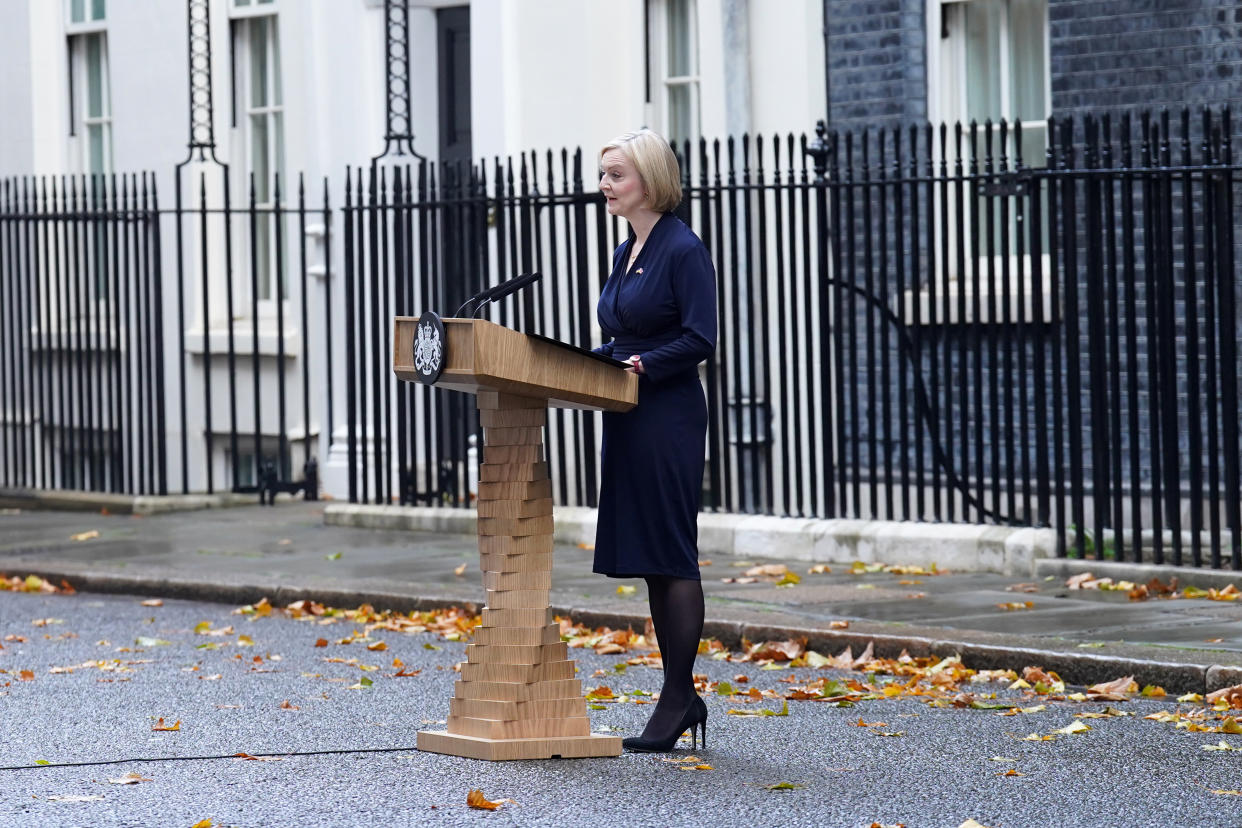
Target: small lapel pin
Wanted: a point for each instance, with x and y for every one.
(639, 271)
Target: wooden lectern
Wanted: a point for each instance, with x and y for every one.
(517, 697)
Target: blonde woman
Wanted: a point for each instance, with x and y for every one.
(658, 308)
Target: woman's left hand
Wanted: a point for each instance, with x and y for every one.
(636, 365)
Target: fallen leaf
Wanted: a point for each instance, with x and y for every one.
(768, 571)
(161, 726)
(153, 602)
(626, 589)
(475, 799)
(202, 823)
(1075, 727)
(839, 625)
(1078, 581)
(1011, 772)
(819, 569)
(460, 571)
(1012, 606)
(85, 536)
(74, 798)
(253, 758)
(377, 646)
(784, 786)
(26, 675)
(284, 705)
(130, 779)
(1022, 588)
(321, 642)
(1230, 696)
(1115, 690)
(1220, 746)
(335, 556)
(1227, 793)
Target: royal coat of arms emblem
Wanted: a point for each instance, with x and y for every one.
(429, 348)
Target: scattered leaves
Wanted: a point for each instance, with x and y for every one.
(163, 727)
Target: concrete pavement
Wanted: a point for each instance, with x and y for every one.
(237, 555)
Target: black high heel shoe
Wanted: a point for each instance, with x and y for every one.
(694, 718)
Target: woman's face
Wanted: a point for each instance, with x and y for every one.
(621, 185)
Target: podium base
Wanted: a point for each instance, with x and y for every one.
(473, 747)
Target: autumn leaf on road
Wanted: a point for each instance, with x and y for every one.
(777, 650)
(1226, 696)
(161, 726)
(153, 602)
(1012, 606)
(284, 705)
(460, 571)
(85, 536)
(1115, 690)
(784, 711)
(130, 779)
(475, 799)
(1076, 727)
(253, 758)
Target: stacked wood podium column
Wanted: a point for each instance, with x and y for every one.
(518, 697)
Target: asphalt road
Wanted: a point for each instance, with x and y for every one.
(345, 751)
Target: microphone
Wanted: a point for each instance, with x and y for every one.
(478, 297)
(504, 289)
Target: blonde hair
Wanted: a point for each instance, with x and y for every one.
(656, 164)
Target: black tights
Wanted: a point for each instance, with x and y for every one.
(677, 615)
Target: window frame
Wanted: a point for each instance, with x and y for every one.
(78, 37)
(947, 103)
(244, 22)
(659, 65)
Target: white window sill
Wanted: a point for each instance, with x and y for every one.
(243, 342)
(992, 310)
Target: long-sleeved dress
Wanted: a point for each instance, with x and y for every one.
(663, 309)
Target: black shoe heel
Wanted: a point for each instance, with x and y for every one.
(693, 718)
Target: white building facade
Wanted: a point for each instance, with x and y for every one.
(93, 88)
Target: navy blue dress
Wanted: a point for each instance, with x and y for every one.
(663, 309)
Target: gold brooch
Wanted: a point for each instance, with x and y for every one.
(638, 272)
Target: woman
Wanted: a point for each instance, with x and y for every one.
(659, 309)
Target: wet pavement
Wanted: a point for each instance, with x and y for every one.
(287, 552)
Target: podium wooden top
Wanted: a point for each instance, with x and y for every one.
(484, 356)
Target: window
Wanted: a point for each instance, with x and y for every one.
(258, 111)
(989, 60)
(673, 66)
(90, 100)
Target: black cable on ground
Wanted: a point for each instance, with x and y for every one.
(924, 406)
(241, 755)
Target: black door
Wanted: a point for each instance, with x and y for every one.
(453, 36)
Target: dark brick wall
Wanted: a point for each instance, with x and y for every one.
(1149, 53)
(877, 59)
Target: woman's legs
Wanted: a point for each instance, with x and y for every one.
(677, 614)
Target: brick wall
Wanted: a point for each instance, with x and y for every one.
(877, 58)
(1149, 53)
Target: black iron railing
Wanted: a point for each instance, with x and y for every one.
(986, 323)
(81, 331)
(1032, 325)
